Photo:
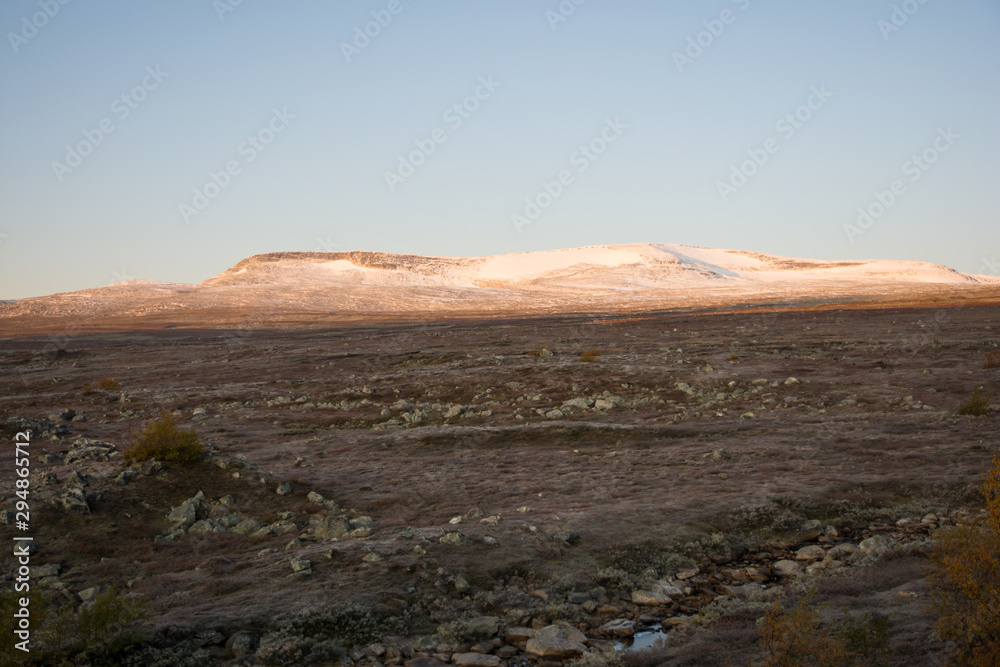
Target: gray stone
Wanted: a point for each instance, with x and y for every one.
(668, 588)
(74, 478)
(650, 598)
(877, 545)
(328, 527)
(246, 527)
(284, 489)
(602, 404)
(810, 553)
(454, 411)
(74, 501)
(455, 538)
(621, 627)
(151, 467)
(300, 564)
(787, 568)
(206, 526)
(556, 642)
(184, 514)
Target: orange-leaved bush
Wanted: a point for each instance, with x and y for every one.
(162, 440)
(966, 581)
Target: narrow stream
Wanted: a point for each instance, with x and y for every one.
(640, 640)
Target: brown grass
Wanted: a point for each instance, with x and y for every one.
(592, 355)
(108, 384)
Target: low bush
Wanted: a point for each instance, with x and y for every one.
(977, 405)
(591, 355)
(162, 440)
(108, 384)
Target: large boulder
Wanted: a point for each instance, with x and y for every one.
(650, 598)
(556, 642)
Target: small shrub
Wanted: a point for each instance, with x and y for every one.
(592, 355)
(100, 633)
(866, 637)
(543, 346)
(795, 638)
(991, 359)
(161, 439)
(108, 384)
(732, 357)
(977, 405)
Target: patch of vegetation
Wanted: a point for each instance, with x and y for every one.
(796, 637)
(464, 631)
(991, 359)
(109, 384)
(162, 440)
(977, 405)
(343, 625)
(966, 582)
(99, 633)
(284, 647)
(537, 352)
(591, 355)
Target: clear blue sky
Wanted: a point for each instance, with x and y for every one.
(321, 181)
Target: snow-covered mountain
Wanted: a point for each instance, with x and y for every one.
(611, 277)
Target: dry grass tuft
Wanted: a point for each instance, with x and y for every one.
(162, 440)
(592, 355)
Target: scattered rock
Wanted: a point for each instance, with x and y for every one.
(284, 489)
(811, 553)
(556, 642)
(787, 568)
(455, 538)
(621, 627)
(650, 598)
